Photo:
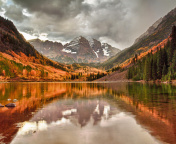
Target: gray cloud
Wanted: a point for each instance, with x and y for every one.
(119, 22)
(15, 13)
(59, 8)
(1, 4)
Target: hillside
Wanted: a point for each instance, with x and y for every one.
(115, 76)
(153, 36)
(19, 59)
(157, 56)
(79, 50)
(156, 65)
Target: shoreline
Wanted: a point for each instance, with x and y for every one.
(65, 81)
(173, 82)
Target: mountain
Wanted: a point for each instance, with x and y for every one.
(159, 31)
(52, 50)
(156, 65)
(19, 59)
(149, 31)
(79, 50)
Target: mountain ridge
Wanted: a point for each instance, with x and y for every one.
(146, 42)
(79, 50)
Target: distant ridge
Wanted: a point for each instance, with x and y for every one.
(79, 50)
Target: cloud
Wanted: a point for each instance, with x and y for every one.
(15, 13)
(28, 36)
(118, 22)
(2, 10)
(59, 8)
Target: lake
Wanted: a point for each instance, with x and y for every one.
(88, 113)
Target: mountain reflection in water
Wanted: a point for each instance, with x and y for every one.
(123, 113)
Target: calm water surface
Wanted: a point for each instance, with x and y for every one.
(88, 113)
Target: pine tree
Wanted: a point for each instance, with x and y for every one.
(154, 70)
(174, 62)
(146, 75)
(165, 58)
(150, 61)
(164, 72)
(159, 64)
(173, 43)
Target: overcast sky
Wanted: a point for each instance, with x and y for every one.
(117, 22)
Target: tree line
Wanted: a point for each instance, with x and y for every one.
(89, 77)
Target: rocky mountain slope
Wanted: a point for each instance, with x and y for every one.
(153, 36)
(19, 59)
(79, 50)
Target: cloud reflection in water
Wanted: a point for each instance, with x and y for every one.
(82, 122)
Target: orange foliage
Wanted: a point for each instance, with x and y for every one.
(127, 63)
(3, 72)
(33, 73)
(53, 73)
(25, 72)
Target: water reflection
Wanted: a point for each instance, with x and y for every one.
(88, 113)
(92, 121)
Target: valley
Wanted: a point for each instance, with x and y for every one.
(82, 59)
(87, 72)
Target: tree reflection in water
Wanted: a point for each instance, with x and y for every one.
(100, 112)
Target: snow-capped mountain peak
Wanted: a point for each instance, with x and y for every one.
(80, 49)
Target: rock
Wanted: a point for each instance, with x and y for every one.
(9, 99)
(1, 105)
(11, 105)
(15, 100)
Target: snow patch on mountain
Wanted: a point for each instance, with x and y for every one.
(105, 50)
(68, 51)
(74, 44)
(96, 53)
